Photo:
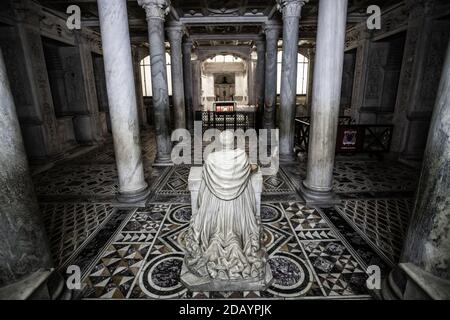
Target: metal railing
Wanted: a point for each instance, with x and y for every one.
(351, 138)
(226, 120)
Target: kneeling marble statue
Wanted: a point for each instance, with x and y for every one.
(224, 251)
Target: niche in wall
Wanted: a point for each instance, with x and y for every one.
(384, 68)
(348, 76)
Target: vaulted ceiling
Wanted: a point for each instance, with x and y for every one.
(217, 22)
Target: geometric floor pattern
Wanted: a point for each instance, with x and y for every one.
(90, 177)
(307, 256)
(69, 226)
(137, 253)
(175, 182)
(383, 222)
(362, 176)
(78, 181)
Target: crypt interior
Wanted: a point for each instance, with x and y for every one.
(87, 115)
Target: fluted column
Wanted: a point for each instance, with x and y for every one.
(121, 90)
(425, 261)
(317, 188)
(156, 11)
(175, 33)
(188, 83)
(272, 31)
(291, 10)
(23, 244)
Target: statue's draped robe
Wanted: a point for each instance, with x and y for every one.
(223, 240)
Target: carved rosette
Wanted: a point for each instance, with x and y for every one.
(155, 9)
(291, 8)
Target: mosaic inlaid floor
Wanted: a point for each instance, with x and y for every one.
(137, 253)
(69, 226)
(364, 176)
(91, 177)
(383, 222)
(175, 182)
(308, 257)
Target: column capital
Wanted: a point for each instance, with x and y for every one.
(155, 9)
(291, 8)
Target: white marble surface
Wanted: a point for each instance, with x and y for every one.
(291, 10)
(225, 207)
(23, 243)
(326, 94)
(122, 95)
(155, 11)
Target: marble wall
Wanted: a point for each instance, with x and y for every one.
(397, 71)
(51, 70)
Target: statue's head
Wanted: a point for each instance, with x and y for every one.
(226, 138)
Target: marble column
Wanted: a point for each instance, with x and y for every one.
(122, 99)
(272, 31)
(318, 186)
(291, 10)
(156, 11)
(24, 249)
(196, 84)
(175, 33)
(425, 259)
(137, 57)
(188, 83)
(311, 62)
(259, 79)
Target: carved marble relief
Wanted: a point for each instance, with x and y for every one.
(374, 85)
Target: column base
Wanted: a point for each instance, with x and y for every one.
(134, 197)
(163, 162)
(409, 282)
(318, 198)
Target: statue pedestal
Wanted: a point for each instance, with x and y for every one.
(196, 283)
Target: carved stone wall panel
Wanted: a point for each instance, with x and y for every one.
(89, 87)
(73, 79)
(374, 85)
(393, 21)
(38, 73)
(55, 28)
(362, 52)
(405, 85)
